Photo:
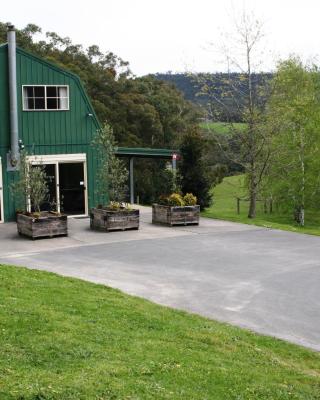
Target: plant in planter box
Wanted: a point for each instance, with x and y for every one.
(176, 210)
(30, 191)
(189, 199)
(175, 199)
(113, 213)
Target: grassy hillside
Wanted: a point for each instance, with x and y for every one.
(225, 207)
(221, 128)
(63, 338)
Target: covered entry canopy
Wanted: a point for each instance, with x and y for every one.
(137, 152)
(145, 152)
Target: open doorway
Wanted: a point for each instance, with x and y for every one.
(66, 180)
(72, 188)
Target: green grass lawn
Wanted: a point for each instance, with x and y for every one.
(221, 128)
(225, 207)
(63, 338)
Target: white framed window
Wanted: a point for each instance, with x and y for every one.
(45, 97)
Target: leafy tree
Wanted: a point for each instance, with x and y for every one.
(293, 120)
(152, 178)
(30, 186)
(112, 176)
(195, 174)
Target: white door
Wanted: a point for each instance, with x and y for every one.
(1, 194)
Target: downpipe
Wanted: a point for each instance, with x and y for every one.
(14, 154)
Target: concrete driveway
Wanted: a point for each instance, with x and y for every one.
(266, 280)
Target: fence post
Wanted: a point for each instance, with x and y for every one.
(270, 205)
(131, 181)
(238, 205)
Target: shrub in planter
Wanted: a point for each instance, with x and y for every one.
(176, 210)
(175, 199)
(112, 213)
(189, 199)
(31, 191)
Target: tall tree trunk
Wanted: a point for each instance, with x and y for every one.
(299, 215)
(299, 212)
(252, 198)
(252, 206)
(251, 140)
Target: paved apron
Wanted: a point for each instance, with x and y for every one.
(263, 279)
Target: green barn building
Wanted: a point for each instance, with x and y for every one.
(45, 108)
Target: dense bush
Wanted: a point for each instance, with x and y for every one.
(189, 199)
(195, 173)
(175, 199)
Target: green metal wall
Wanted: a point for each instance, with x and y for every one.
(46, 132)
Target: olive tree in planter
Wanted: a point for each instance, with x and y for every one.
(31, 191)
(113, 213)
(176, 210)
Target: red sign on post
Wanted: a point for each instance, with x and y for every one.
(174, 156)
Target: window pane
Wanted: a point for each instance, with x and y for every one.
(63, 103)
(63, 91)
(39, 104)
(52, 91)
(39, 91)
(63, 99)
(28, 91)
(52, 104)
(30, 104)
(25, 99)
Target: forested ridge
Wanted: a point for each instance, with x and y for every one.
(224, 90)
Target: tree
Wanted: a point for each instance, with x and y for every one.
(31, 185)
(242, 54)
(195, 174)
(112, 176)
(293, 120)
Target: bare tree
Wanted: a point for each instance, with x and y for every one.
(243, 95)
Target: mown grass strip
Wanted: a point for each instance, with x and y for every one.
(64, 338)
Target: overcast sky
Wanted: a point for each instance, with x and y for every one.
(158, 36)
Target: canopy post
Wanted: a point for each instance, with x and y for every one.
(131, 180)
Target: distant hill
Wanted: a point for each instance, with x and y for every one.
(220, 94)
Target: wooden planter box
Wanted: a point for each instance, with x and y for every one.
(47, 225)
(168, 215)
(107, 220)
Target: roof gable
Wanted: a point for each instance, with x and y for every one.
(61, 71)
